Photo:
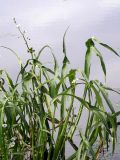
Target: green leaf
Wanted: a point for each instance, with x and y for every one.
(53, 90)
(88, 147)
(89, 45)
(106, 46)
(105, 96)
(110, 48)
(10, 82)
(72, 74)
(28, 76)
(101, 60)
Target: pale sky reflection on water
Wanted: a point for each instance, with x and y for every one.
(46, 21)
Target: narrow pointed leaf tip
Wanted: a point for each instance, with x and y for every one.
(105, 45)
(66, 60)
(110, 48)
(64, 46)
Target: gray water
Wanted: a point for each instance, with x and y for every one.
(45, 22)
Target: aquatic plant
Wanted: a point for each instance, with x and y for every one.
(41, 111)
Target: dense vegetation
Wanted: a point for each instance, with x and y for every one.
(41, 111)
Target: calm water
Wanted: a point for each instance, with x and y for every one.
(46, 21)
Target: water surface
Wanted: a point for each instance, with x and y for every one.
(45, 23)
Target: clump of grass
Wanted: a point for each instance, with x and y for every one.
(38, 115)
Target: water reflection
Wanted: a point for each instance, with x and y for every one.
(46, 22)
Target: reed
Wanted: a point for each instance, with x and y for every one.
(38, 114)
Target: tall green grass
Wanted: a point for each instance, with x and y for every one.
(41, 111)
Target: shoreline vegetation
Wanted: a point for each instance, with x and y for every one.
(41, 111)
